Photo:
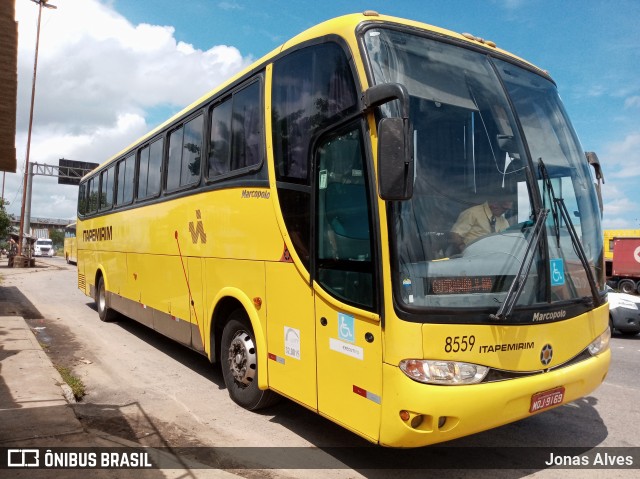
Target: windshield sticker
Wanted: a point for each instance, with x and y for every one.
(557, 272)
(323, 179)
(406, 283)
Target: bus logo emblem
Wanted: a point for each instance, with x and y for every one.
(546, 354)
(198, 230)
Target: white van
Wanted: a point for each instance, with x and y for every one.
(43, 247)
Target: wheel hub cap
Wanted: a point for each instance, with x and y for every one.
(242, 358)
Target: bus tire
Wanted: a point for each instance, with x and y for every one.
(627, 286)
(105, 313)
(239, 360)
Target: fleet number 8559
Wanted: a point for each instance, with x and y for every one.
(459, 343)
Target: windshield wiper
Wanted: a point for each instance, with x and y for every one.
(547, 186)
(517, 285)
(558, 204)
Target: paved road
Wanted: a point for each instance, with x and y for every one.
(145, 388)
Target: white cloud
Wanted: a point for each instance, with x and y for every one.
(618, 206)
(98, 78)
(622, 159)
(632, 102)
(230, 6)
(619, 223)
(510, 4)
(621, 164)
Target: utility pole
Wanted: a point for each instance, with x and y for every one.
(40, 3)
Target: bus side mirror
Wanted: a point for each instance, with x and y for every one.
(593, 160)
(395, 143)
(395, 160)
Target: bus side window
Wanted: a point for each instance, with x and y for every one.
(246, 144)
(82, 199)
(124, 185)
(185, 151)
(150, 169)
(220, 146)
(236, 132)
(106, 189)
(94, 191)
(311, 88)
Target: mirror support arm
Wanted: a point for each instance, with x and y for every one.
(384, 93)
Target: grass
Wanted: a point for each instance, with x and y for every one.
(74, 382)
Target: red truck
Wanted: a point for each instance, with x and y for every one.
(625, 270)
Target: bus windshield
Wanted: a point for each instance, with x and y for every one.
(482, 128)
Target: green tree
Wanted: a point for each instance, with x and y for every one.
(5, 222)
(58, 238)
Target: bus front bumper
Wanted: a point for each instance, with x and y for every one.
(434, 414)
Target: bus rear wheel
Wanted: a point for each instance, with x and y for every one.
(239, 359)
(105, 313)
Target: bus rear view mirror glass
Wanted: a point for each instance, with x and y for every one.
(395, 162)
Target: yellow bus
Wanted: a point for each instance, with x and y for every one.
(294, 226)
(70, 245)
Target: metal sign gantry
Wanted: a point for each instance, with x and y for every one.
(71, 174)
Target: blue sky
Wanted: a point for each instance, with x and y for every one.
(104, 97)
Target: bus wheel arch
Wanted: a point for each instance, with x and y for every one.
(239, 344)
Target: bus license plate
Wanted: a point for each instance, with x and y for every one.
(546, 399)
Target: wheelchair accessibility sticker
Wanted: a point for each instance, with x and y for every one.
(346, 327)
(557, 272)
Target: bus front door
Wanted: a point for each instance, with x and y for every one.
(348, 338)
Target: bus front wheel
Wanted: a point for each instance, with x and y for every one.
(105, 313)
(239, 360)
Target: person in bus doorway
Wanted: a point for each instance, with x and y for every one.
(478, 221)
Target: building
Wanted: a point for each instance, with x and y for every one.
(8, 84)
(40, 227)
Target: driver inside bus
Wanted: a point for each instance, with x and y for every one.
(478, 221)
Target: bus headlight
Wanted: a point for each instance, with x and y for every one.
(449, 373)
(601, 343)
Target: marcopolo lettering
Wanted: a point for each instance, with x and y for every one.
(549, 316)
(97, 234)
(265, 195)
